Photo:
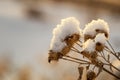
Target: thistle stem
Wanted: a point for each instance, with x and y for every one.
(114, 53)
(73, 61)
(76, 58)
(109, 64)
(79, 45)
(111, 73)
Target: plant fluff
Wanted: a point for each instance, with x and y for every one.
(93, 44)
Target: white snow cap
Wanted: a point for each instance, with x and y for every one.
(67, 27)
(96, 24)
(89, 45)
(100, 38)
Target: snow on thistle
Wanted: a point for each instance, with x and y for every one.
(95, 27)
(64, 37)
(92, 44)
(89, 46)
(100, 40)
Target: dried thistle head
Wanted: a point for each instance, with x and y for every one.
(65, 50)
(85, 53)
(95, 27)
(53, 56)
(91, 75)
(87, 37)
(70, 40)
(64, 36)
(100, 40)
(99, 47)
(57, 55)
(102, 31)
(93, 55)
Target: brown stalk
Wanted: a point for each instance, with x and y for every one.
(74, 61)
(76, 58)
(109, 63)
(114, 53)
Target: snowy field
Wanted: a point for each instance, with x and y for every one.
(27, 41)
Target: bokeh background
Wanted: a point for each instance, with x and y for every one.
(26, 31)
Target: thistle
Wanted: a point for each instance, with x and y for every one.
(93, 44)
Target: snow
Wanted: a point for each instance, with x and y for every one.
(88, 30)
(100, 38)
(99, 24)
(67, 27)
(89, 45)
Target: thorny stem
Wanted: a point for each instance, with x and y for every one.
(114, 53)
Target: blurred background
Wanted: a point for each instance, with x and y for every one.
(26, 31)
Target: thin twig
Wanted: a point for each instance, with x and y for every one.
(114, 53)
(111, 73)
(76, 50)
(107, 49)
(76, 58)
(73, 61)
(109, 64)
(111, 46)
(79, 45)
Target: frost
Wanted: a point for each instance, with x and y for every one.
(67, 27)
(89, 45)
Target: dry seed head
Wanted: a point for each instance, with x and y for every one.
(101, 27)
(102, 31)
(91, 75)
(53, 56)
(65, 50)
(87, 36)
(95, 27)
(85, 53)
(70, 40)
(100, 40)
(67, 27)
(93, 55)
(99, 47)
